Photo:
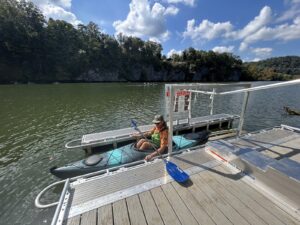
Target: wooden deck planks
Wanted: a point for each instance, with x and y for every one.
(120, 213)
(194, 205)
(243, 209)
(288, 149)
(231, 213)
(105, 215)
(89, 217)
(211, 212)
(151, 212)
(181, 210)
(267, 203)
(238, 191)
(165, 209)
(296, 157)
(135, 211)
(73, 221)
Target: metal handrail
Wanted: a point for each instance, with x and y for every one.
(246, 97)
(74, 146)
(37, 199)
(290, 127)
(281, 84)
(60, 202)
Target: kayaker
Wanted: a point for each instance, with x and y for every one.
(159, 138)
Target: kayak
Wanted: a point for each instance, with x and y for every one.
(123, 155)
(291, 111)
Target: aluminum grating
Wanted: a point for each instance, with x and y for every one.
(118, 181)
(265, 139)
(94, 192)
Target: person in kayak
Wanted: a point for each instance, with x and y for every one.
(159, 138)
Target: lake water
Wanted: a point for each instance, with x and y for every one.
(37, 120)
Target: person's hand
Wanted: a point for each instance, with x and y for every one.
(148, 157)
(135, 135)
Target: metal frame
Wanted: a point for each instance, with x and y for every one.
(37, 199)
(189, 87)
(296, 129)
(58, 210)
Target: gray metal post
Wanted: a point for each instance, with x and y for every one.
(241, 123)
(190, 109)
(212, 102)
(170, 141)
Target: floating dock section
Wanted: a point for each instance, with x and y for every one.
(233, 181)
(147, 195)
(116, 138)
(270, 156)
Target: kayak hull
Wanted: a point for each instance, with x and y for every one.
(121, 156)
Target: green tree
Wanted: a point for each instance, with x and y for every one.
(63, 55)
(21, 40)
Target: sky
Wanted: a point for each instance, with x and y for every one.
(251, 29)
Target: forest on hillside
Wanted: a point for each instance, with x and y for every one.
(33, 49)
(285, 66)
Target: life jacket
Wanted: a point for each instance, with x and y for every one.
(155, 137)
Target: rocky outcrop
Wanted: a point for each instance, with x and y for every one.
(103, 76)
(139, 73)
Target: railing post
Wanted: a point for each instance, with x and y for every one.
(170, 141)
(212, 97)
(241, 123)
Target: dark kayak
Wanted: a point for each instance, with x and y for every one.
(291, 111)
(123, 155)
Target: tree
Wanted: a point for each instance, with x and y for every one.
(63, 55)
(21, 39)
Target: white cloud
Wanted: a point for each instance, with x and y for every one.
(257, 23)
(222, 49)
(262, 32)
(171, 10)
(285, 32)
(258, 29)
(292, 12)
(62, 3)
(243, 46)
(206, 30)
(57, 9)
(162, 38)
(173, 51)
(144, 21)
(186, 2)
(255, 59)
(262, 52)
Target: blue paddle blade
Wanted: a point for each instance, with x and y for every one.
(176, 173)
(134, 124)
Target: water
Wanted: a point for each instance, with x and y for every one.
(37, 120)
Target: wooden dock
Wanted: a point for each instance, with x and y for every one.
(273, 143)
(211, 197)
(214, 195)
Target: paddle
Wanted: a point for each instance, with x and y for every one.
(173, 170)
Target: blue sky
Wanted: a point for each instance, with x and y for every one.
(251, 29)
